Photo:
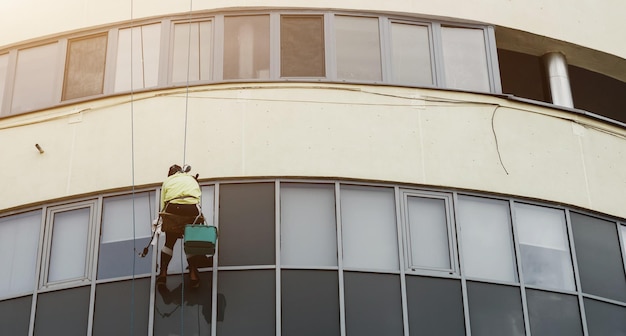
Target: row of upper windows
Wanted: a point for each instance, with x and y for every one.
(325, 225)
(258, 46)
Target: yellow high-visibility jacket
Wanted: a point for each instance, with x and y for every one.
(180, 188)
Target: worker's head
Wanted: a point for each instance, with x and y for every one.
(174, 169)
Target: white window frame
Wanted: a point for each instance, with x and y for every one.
(92, 205)
(450, 227)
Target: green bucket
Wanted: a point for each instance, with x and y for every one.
(200, 239)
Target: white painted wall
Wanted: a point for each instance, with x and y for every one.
(594, 24)
(373, 133)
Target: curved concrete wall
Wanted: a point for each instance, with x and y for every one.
(586, 23)
(428, 137)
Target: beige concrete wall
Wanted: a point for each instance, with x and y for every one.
(594, 24)
(428, 137)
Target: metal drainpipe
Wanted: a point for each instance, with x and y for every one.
(558, 79)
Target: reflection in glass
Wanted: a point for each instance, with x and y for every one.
(15, 316)
(68, 251)
(369, 232)
(410, 54)
(62, 313)
(125, 302)
(487, 243)
(544, 247)
(119, 243)
(307, 223)
(247, 47)
(19, 242)
(182, 310)
(495, 309)
(605, 318)
(435, 306)
(358, 48)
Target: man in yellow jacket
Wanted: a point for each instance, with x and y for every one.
(180, 205)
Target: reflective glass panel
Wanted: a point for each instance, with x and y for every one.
(68, 251)
(192, 58)
(119, 242)
(357, 44)
(15, 316)
(250, 302)
(435, 306)
(544, 246)
(410, 54)
(605, 318)
(465, 59)
(553, 313)
(373, 304)
(62, 313)
(486, 240)
(247, 225)
(495, 309)
(307, 224)
(247, 47)
(302, 46)
(124, 302)
(368, 219)
(84, 68)
(36, 78)
(310, 303)
(19, 243)
(428, 232)
(599, 257)
(138, 50)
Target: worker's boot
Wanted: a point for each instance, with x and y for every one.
(165, 261)
(194, 275)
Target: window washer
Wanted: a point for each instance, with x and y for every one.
(180, 205)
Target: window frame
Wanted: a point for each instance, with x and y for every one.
(94, 209)
(388, 58)
(450, 229)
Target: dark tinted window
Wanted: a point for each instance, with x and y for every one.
(553, 313)
(435, 306)
(246, 226)
(373, 305)
(495, 309)
(599, 257)
(15, 316)
(62, 312)
(605, 318)
(125, 303)
(310, 303)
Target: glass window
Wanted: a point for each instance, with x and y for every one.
(605, 318)
(69, 242)
(368, 219)
(126, 303)
(192, 58)
(465, 59)
(373, 304)
(307, 220)
(62, 313)
(4, 65)
(435, 306)
(247, 224)
(599, 257)
(486, 240)
(553, 314)
(310, 303)
(358, 48)
(250, 302)
(19, 242)
(36, 78)
(495, 309)
(544, 247)
(428, 224)
(84, 68)
(15, 316)
(119, 242)
(302, 46)
(410, 54)
(247, 47)
(146, 47)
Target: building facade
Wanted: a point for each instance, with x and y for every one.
(396, 168)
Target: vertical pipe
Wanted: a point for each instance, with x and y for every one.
(555, 65)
